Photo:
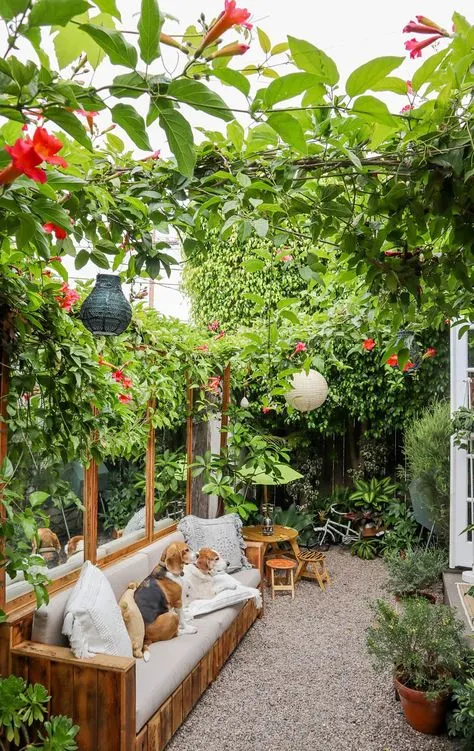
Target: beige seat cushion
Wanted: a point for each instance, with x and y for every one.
(171, 661)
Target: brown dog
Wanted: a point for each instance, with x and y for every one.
(74, 545)
(49, 546)
(159, 597)
(198, 580)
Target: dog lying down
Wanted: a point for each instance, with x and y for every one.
(197, 580)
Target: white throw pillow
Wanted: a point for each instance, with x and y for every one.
(92, 619)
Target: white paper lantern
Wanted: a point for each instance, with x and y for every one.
(308, 392)
(244, 402)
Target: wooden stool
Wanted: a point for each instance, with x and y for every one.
(282, 564)
(312, 565)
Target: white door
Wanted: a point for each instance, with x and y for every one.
(461, 548)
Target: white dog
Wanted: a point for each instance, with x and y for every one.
(197, 580)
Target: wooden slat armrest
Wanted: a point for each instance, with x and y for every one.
(31, 649)
(254, 552)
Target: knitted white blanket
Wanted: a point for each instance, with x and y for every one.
(223, 599)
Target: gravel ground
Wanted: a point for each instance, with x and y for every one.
(301, 679)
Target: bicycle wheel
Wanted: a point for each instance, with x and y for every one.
(320, 536)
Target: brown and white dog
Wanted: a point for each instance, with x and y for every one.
(74, 545)
(49, 546)
(198, 577)
(160, 597)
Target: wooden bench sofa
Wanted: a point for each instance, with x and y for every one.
(121, 704)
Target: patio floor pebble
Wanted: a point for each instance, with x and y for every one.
(301, 678)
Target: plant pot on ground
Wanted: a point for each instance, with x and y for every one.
(424, 644)
(416, 572)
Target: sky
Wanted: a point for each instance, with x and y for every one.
(350, 32)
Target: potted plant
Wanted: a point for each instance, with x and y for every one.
(370, 498)
(424, 645)
(415, 572)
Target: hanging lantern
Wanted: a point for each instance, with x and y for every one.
(106, 311)
(308, 392)
(244, 403)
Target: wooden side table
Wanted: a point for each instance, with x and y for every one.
(282, 564)
(280, 534)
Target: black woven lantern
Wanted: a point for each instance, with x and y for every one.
(106, 311)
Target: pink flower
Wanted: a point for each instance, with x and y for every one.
(286, 259)
(89, 117)
(266, 410)
(58, 259)
(430, 352)
(59, 232)
(213, 384)
(406, 108)
(300, 347)
(67, 297)
(409, 88)
(230, 50)
(368, 344)
(230, 16)
(124, 398)
(118, 375)
(127, 383)
(415, 46)
(392, 360)
(392, 252)
(155, 155)
(219, 336)
(213, 326)
(202, 348)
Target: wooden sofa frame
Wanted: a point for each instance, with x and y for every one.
(99, 693)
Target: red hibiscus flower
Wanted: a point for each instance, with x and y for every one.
(58, 232)
(415, 46)
(230, 16)
(409, 365)
(213, 384)
(127, 383)
(124, 398)
(67, 298)
(430, 352)
(118, 376)
(392, 360)
(300, 347)
(47, 146)
(230, 50)
(27, 154)
(424, 25)
(368, 344)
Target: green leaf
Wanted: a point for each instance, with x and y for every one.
(51, 211)
(70, 42)
(289, 129)
(180, 139)
(64, 181)
(149, 27)
(313, 60)
(38, 497)
(121, 86)
(119, 51)
(199, 96)
(70, 123)
(264, 40)
(100, 259)
(261, 227)
(289, 86)
(33, 35)
(423, 73)
(81, 259)
(233, 78)
(373, 110)
(253, 264)
(391, 83)
(11, 8)
(370, 73)
(108, 6)
(56, 12)
(133, 124)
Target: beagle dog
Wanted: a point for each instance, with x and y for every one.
(198, 576)
(74, 545)
(49, 546)
(160, 598)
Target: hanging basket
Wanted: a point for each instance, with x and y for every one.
(106, 311)
(308, 392)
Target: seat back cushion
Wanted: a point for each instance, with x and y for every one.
(222, 534)
(157, 548)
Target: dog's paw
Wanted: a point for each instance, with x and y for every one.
(187, 629)
(146, 655)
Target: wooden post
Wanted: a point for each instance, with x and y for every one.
(91, 506)
(224, 423)
(150, 475)
(189, 447)
(4, 365)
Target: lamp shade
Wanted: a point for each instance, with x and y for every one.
(106, 311)
(308, 391)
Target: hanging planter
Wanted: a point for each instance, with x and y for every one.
(106, 311)
(308, 391)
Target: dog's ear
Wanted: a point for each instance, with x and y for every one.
(173, 560)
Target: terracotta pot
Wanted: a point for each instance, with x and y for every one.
(422, 714)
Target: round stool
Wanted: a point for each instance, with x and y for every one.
(282, 564)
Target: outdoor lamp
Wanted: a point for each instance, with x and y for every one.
(106, 311)
(309, 391)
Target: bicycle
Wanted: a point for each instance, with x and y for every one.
(336, 529)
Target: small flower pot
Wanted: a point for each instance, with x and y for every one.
(422, 714)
